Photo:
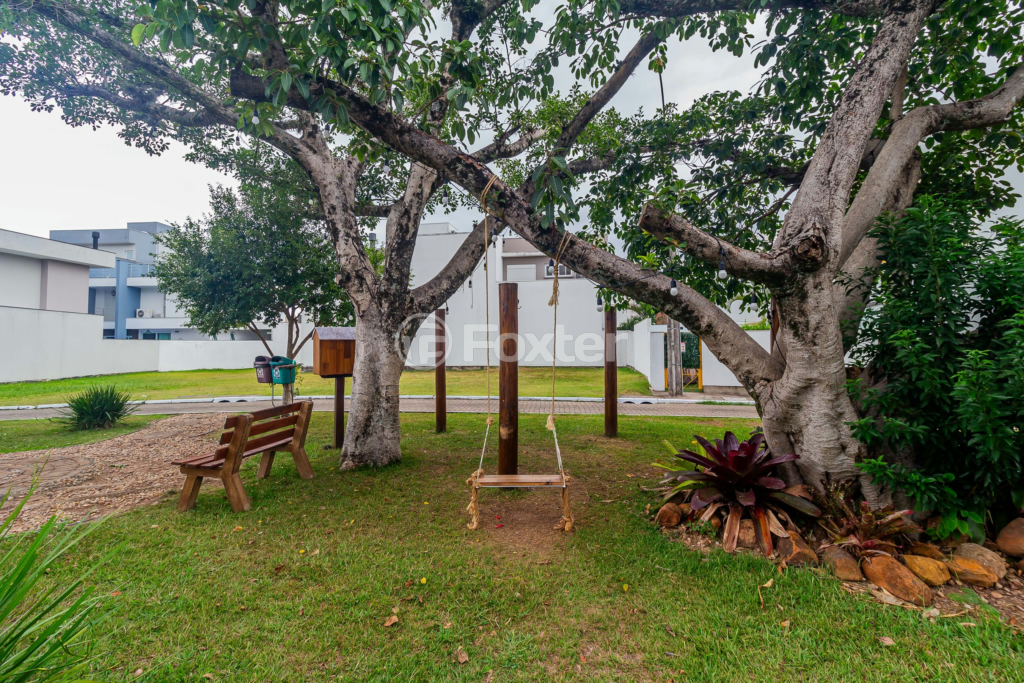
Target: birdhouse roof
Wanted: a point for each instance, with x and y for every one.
(336, 333)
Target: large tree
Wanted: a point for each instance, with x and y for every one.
(799, 170)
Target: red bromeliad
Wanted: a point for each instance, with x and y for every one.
(737, 474)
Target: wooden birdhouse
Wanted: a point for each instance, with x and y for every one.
(334, 351)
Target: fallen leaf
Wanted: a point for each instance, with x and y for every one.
(278, 567)
(302, 611)
(237, 528)
(770, 583)
(498, 526)
(115, 594)
(670, 631)
(497, 516)
(391, 621)
(315, 552)
(931, 613)
(462, 656)
(447, 624)
(409, 583)
(887, 641)
(625, 588)
(208, 676)
(886, 598)
(785, 624)
(138, 672)
(394, 610)
(583, 660)
(968, 624)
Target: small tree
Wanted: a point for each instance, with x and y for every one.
(254, 259)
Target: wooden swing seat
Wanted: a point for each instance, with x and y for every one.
(518, 480)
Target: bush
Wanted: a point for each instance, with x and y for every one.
(43, 628)
(98, 407)
(945, 331)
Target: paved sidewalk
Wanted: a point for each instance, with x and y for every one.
(426, 405)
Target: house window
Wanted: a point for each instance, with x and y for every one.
(129, 254)
(522, 273)
(149, 335)
(563, 271)
(163, 336)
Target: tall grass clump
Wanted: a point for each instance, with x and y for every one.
(44, 628)
(98, 407)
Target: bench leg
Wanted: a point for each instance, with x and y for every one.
(266, 462)
(302, 463)
(189, 493)
(236, 493)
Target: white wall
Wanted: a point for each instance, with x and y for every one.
(64, 287)
(19, 281)
(646, 352)
(53, 345)
(40, 345)
(716, 374)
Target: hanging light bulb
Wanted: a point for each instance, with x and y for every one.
(672, 288)
(446, 311)
(255, 119)
(494, 235)
(387, 164)
(722, 274)
(238, 139)
(444, 193)
(600, 304)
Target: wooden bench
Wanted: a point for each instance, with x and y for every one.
(281, 429)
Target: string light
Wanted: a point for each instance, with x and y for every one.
(444, 193)
(255, 119)
(494, 236)
(600, 304)
(673, 289)
(722, 274)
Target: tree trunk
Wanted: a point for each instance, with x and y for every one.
(807, 410)
(372, 434)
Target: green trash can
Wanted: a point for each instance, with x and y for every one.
(282, 370)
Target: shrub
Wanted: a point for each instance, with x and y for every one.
(736, 475)
(859, 529)
(43, 628)
(98, 407)
(943, 340)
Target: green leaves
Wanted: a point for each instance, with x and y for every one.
(553, 194)
(138, 31)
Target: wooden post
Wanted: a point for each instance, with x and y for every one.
(508, 378)
(339, 411)
(440, 380)
(611, 375)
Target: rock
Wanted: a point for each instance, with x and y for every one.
(932, 572)
(746, 538)
(716, 523)
(1020, 566)
(991, 560)
(1011, 539)
(669, 515)
(885, 572)
(971, 571)
(795, 551)
(929, 550)
(842, 563)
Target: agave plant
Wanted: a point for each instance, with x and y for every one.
(737, 474)
(858, 529)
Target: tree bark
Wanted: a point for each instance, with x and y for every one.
(373, 436)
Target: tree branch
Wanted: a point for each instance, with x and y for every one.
(500, 149)
(431, 294)
(770, 269)
(678, 9)
(906, 135)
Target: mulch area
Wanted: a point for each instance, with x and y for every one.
(91, 480)
(951, 600)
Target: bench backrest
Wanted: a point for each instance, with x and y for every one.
(264, 427)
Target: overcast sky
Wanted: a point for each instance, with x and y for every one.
(56, 177)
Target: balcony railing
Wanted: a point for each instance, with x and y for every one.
(134, 270)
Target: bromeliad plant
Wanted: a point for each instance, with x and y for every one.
(860, 530)
(737, 475)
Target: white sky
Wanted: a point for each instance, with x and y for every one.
(56, 177)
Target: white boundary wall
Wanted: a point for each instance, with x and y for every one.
(43, 345)
(645, 352)
(715, 374)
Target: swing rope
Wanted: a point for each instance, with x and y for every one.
(567, 521)
(474, 508)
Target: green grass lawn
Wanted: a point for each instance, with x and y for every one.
(299, 588)
(207, 383)
(31, 435)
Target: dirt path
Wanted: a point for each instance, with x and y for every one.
(91, 480)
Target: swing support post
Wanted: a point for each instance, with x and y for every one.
(508, 378)
(611, 375)
(440, 378)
